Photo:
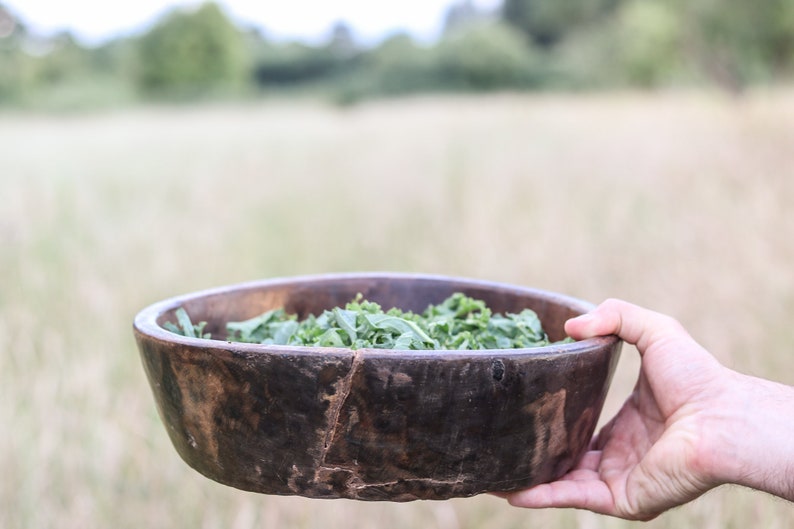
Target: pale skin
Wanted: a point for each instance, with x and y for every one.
(691, 424)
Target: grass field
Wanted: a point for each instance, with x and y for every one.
(681, 202)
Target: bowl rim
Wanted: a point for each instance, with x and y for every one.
(145, 321)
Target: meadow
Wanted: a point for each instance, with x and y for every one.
(678, 201)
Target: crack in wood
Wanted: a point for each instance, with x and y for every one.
(339, 402)
(355, 483)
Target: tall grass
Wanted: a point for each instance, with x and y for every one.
(678, 202)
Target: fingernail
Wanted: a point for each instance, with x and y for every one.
(583, 319)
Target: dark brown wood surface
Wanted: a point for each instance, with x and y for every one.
(373, 424)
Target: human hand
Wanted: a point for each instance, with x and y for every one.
(689, 425)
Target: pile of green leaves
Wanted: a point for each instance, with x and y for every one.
(459, 322)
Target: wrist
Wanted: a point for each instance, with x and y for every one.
(750, 441)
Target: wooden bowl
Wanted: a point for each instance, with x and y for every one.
(373, 424)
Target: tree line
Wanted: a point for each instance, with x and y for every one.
(523, 45)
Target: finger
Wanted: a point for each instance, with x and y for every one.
(633, 324)
(586, 469)
(589, 461)
(580, 474)
(593, 495)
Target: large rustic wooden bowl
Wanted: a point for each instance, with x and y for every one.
(373, 424)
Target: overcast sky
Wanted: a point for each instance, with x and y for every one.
(94, 21)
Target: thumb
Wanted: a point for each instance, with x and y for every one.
(631, 323)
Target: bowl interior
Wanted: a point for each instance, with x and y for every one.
(313, 295)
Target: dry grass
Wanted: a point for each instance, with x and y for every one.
(679, 202)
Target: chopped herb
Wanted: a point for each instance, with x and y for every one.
(459, 322)
(185, 327)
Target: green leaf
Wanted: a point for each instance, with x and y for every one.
(184, 323)
(346, 319)
(283, 332)
(185, 327)
(254, 330)
(397, 325)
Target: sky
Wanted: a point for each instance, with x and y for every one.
(96, 21)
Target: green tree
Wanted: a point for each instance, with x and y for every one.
(650, 42)
(486, 56)
(192, 53)
(292, 63)
(398, 65)
(341, 41)
(738, 42)
(9, 55)
(17, 69)
(547, 22)
(66, 60)
(462, 13)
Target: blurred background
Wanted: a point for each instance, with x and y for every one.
(91, 56)
(602, 148)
